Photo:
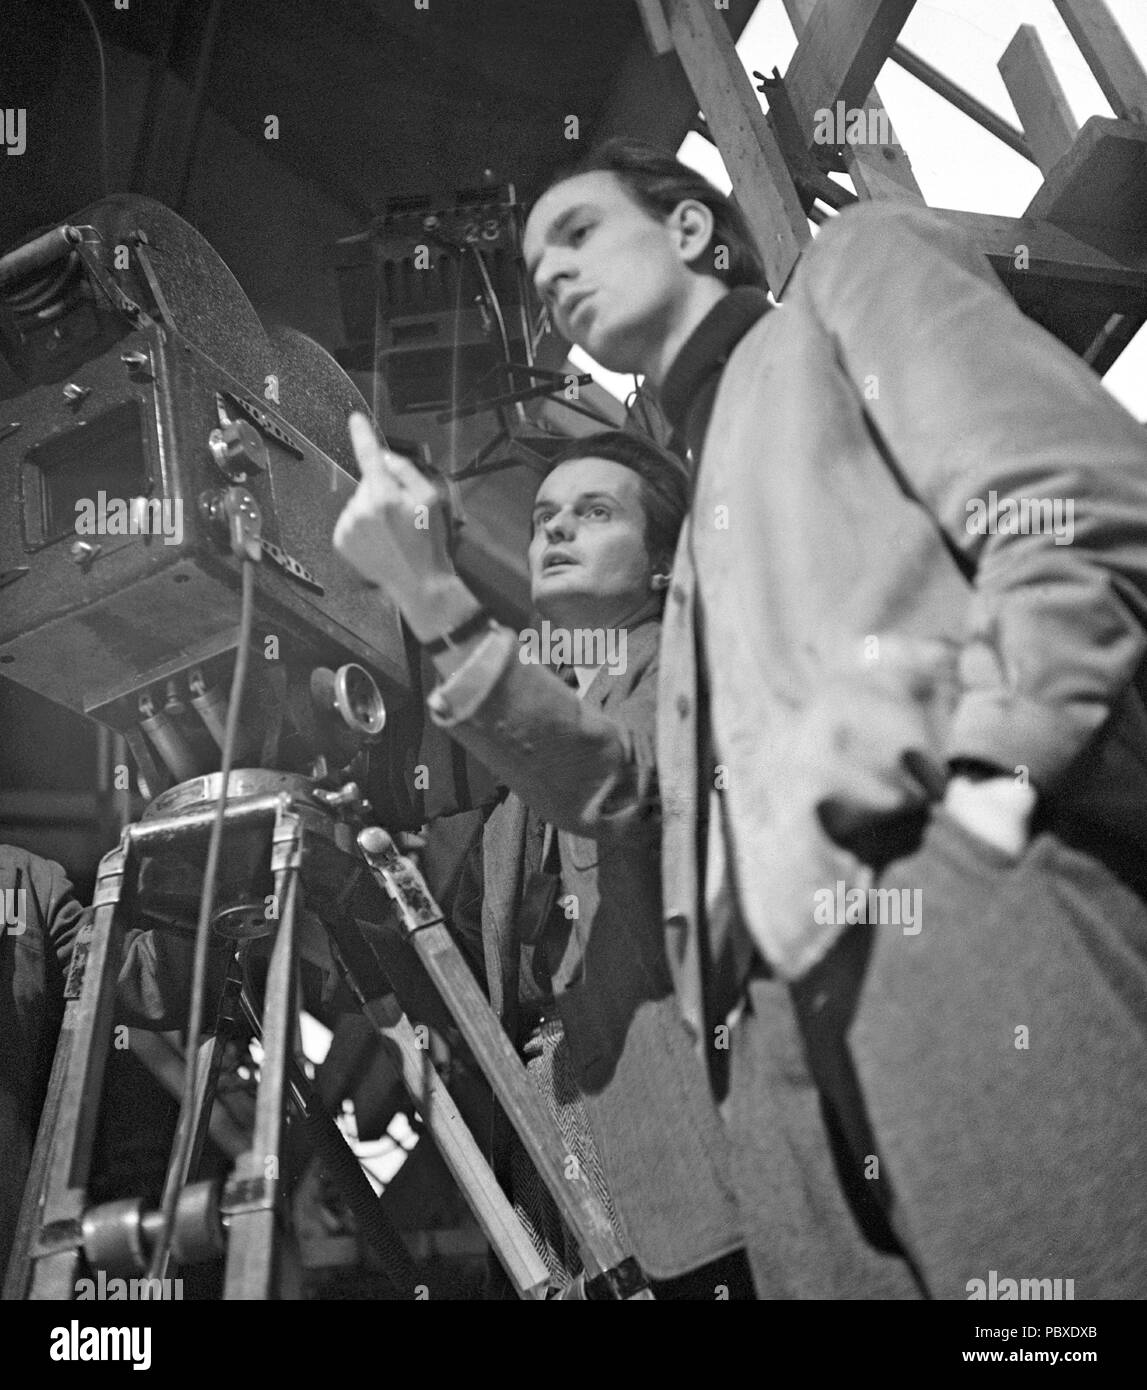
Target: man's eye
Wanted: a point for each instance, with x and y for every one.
(579, 234)
(541, 519)
(598, 510)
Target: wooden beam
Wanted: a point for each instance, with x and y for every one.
(656, 26)
(1099, 189)
(881, 172)
(753, 159)
(1091, 302)
(963, 101)
(163, 1056)
(1037, 248)
(1040, 101)
(1109, 56)
(841, 50)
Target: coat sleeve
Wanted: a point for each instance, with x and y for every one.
(966, 398)
(153, 987)
(589, 772)
(63, 916)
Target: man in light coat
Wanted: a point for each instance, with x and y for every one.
(902, 738)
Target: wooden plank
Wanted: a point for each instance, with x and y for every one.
(1040, 101)
(1051, 251)
(1109, 56)
(1099, 189)
(754, 161)
(656, 26)
(883, 172)
(841, 51)
(460, 1152)
(1091, 302)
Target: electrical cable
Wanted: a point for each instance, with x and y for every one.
(490, 294)
(375, 374)
(185, 1133)
(638, 399)
(103, 96)
(539, 329)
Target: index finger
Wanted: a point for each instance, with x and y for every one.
(371, 454)
(362, 437)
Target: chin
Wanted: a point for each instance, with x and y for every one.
(614, 359)
(608, 352)
(552, 592)
(552, 600)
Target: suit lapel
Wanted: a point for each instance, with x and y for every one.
(640, 646)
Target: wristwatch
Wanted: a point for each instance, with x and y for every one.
(470, 627)
(977, 769)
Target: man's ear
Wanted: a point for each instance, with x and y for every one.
(693, 225)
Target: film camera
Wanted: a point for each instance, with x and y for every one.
(151, 430)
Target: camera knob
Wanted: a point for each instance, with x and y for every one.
(236, 448)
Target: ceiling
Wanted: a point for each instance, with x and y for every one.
(375, 98)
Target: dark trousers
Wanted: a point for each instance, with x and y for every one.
(1002, 1054)
(980, 1085)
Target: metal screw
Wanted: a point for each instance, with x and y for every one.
(75, 393)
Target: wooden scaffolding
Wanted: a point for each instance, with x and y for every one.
(1076, 261)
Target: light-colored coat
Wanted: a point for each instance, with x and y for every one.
(857, 633)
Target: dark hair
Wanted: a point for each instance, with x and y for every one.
(664, 482)
(658, 182)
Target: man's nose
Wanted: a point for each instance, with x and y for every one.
(560, 527)
(549, 274)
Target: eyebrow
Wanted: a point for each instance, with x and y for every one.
(554, 230)
(582, 497)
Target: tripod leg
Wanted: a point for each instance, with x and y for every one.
(253, 1196)
(493, 1212)
(607, 1265)
(360, 971)
(28, 1227)
(328, 1143)
(46, 1259)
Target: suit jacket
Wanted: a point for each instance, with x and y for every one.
(34, 952)
(587, 765)
(859, 629)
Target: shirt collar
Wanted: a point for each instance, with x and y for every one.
(707, 349)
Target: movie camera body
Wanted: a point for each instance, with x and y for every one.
(152, 430)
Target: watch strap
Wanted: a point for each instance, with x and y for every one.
(475, 623)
